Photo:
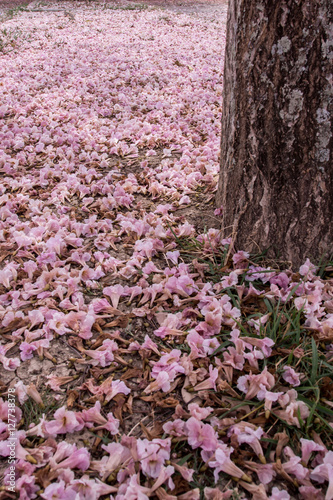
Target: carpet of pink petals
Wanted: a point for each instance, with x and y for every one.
(110, 123)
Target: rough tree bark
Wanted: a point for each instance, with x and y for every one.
(276, 180)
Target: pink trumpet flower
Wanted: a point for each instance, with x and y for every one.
(222, 462)
(114, 292)
(201, 435)
(290, 376)
(308, 447)
(104, 354)
(65, 421)
(94, 415)
(324, 472)
(247, 433)
(251, 384)
(79, 459)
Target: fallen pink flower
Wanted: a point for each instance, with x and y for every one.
(308, 447)
(251, 384)
(152, 455)
(59, 490)
(114, 292)
(247, 433)
(116, 387)
(201, 435)
(175, 428)
(65, 421)
(290, 376)
(162, 382)
(104, 354)
(79, 459)
(279, 494)
(217, 494)
(324, 472)
(222, 462)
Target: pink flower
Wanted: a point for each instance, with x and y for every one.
(209, 383)
(198, 412)
(150, 345)
(10, 444)
(4, 411)
(116, 387)
(216, 493)
(247, 433)
(9, 364)
(102, 306)
(233, 358)
(94, 415)
(186, 473)
(27, 487)
(230, 280)
(132, 490)
(152, 455)
(119, 455)
(59, 491)
(104, 354)
(324, 472)
(307, 269)
(175, 428)
(223, 463)
(264, 344)
(173, 256)
(201, 435)
(162, 382)
(291, 376)
(114, 292)
(293, 465)
(240, 256)
(91, 489)
(169, 363)
(184, 285)
(79, 459)
(58, 323)
(65, 421)
(258, 323)
(293, 408)
(39, 429)
(169, 326)
(265, 472)
(27, 350)
(309, 447)
(269, 397)
(310, 492)
(279, 494)
(36, 316)
(252, 384)
(210, 345)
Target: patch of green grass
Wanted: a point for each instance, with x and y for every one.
(11, 39)
(136, 6)
(11, 13)
(33, 412)
(285, 326)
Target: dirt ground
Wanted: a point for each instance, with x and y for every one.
(187, 6)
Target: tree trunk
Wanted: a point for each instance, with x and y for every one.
(276, 180)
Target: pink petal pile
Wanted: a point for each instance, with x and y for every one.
(110, 131)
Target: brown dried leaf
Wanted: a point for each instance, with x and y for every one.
(132, 373)
(169, 402)
(163, 495)
(45, 476)
(72, 397)
(122, 322)
(118, 411)
(155, 432)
